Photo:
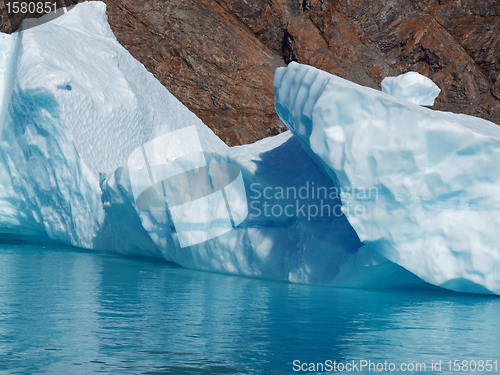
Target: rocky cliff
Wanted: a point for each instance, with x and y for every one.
(218, 56)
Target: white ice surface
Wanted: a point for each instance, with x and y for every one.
(436, 174)
(412, 87)
(75, 105)
(108, 100)
(322, 251)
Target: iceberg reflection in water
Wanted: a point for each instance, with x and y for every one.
(67, 311)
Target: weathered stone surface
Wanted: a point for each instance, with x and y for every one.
(208, 59)
(218, 56)
(476, 26)
(455, 43)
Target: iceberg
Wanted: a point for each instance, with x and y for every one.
(92, 147)
(435, 174)
(80, 115)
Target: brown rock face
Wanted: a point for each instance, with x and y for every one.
(208, 59)
(218, 56)
(455, 43)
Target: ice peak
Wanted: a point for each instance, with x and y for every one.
(412, 87)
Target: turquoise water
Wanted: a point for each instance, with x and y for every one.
(68, 311)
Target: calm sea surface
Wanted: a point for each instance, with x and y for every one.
(72, 312)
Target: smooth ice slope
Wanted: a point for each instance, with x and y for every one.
(109, 101)
(412, 87)
(76, 105)
(437, 175)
